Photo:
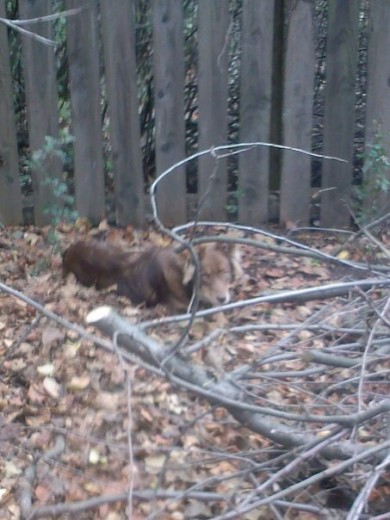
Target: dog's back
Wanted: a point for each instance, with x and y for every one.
(94, 263)
(156, 276)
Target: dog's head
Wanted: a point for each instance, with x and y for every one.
(219, 265)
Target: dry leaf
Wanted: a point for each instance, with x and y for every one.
(78, 383)
(52, 387)
(11, 469)
(46, 370)
(155, 462)
(43, 493)
(18, 364)
(275, 273)
(51, 335)
(343, 255)
(93, 456)
(108, 401)
(35, 394)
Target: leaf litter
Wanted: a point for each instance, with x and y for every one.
(53, 383)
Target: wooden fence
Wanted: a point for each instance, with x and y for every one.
(278, 69)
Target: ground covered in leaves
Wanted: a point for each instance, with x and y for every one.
(72, 430)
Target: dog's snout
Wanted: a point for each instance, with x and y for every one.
(223, 299)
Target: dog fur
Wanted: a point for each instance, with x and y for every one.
(158, 275)
(155, 277)
(94, 263)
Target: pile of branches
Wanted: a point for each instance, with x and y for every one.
(327, 449)
(323, 414)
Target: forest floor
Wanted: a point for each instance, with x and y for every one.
(72, 430)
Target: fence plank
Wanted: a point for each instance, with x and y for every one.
(121, 76)
(378, 88)
(42, 109)
(83, 58)
(213, 36)
(255, 109)
(169, 107)
(10, 195)
(297, 114)
(339, 116)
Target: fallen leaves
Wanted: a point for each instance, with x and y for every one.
(54, 382)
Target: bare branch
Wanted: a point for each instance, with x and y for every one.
(16, 24)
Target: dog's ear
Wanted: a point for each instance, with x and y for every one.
(188, 273)
(224, 247)
(235, 259)
(189, 267)
(233, 252)
(201, 249)
(230, 249)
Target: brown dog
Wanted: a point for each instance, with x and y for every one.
(157, 275)
(160, 275)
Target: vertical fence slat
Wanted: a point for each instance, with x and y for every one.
(10, 194)
(121, 78)
(83, 58)
(169, 107)
(42, 107)
(298, 114)
(213, 38)
(255, 109)
(378, 88)
(339, 114)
